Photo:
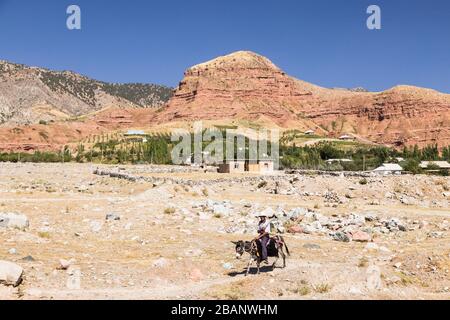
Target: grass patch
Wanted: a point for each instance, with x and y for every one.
(44, 235)
(363, 262)
(323, 288)
(303, 290)
(232, 292)
(406, 280)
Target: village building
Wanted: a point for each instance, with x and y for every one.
(235, 166)
(389, 168)
(130, 133)
(330, 161)
(346, 137)
(309, 132)
(259, 166)
(253, 166)
(435, 165)
(136, 135)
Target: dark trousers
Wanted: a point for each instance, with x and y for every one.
(264, 240)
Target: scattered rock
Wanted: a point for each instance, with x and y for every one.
(227, 266)
(341, 237)
(96, 226)
(196, 275)
(436, 234)
(374, 281)
(112, 217)
(193, 252)
(295, 229)
(14, 221)
(160, 263)
(28, 259)
(361, 236)
(65, 264)
(10, 274)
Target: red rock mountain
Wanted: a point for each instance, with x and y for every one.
(247, 86)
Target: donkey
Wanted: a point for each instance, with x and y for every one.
(275, 248)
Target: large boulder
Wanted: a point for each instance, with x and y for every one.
(14, 221)
(10, 274)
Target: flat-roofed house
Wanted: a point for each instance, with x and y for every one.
(346, 137)
(329, 161)
(260, 166)
(135, 133)
(235, 166)
(389, 168)
(435, 165)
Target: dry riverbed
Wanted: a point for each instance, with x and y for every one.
(88, 236)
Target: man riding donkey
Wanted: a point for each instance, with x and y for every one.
(263, 246)
(264, 236)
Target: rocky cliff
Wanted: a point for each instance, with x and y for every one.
(247, 86)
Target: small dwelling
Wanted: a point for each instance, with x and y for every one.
(309, 132)
(346, 137)
(330, 161)
(241, 166)
(435, 165)
(237, 166)
(389, 168)
(260, 166)
(135, 133)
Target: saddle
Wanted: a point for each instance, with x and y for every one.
(274, 239)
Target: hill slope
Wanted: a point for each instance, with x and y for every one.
(29, 95)
(245, 85)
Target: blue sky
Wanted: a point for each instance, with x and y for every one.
(325, 42)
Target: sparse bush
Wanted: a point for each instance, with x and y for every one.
(323, 288)
(363, 262)
(170, 210)
(262, 184)
(303, 290)
(44, 235)
(363, 181)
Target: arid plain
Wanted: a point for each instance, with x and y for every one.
(167, 234)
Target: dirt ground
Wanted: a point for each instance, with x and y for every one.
(163, 247)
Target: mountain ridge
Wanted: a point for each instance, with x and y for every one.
(32, 94)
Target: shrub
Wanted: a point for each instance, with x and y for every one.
(262, 184)
(323, 288)
(412, 166)
(169, 210)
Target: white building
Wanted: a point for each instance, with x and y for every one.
(440, 165)
(389, 168)
(329, 161)
(135, 133)
(346, 137)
